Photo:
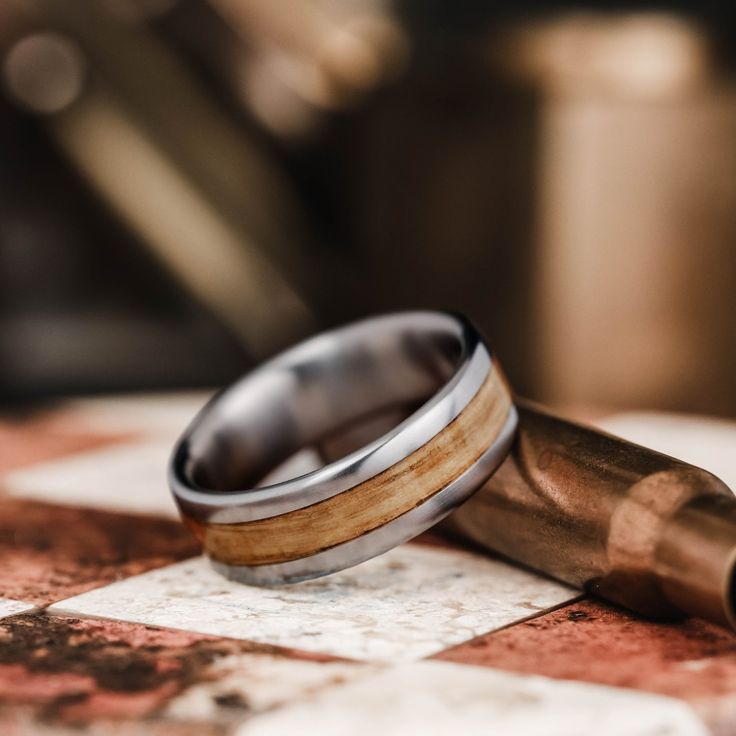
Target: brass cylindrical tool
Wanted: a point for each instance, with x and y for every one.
(628, 524)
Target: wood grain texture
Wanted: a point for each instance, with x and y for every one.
(373, 503)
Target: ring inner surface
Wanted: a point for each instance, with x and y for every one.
(313, 392)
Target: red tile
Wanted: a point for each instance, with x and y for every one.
(67, 672)
(593, 642)
(30, 439)
(48, 552)
(71, 672)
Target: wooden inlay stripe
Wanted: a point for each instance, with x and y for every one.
(374, 502)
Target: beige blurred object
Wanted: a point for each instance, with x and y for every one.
(635, 281)
(647, 55)
(304, 57)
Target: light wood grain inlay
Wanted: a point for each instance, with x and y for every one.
(373, 503)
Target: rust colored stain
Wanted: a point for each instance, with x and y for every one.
(63, 671)
(75, 671)
(31, 439)
(50, 552)
(593, 642)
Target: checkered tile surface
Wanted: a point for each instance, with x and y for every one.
(111, 622)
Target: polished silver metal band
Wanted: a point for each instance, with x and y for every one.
(314, 391)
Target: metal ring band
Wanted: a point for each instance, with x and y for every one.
(382, 494)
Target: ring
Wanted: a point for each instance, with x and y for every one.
(382, 494)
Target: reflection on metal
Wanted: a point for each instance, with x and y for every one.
(633, 526)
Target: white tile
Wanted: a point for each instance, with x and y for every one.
(409, 603)
(261, 681)
(444, 699)
(163, 415)
(11, 608)
(703, 441)
(129, 477)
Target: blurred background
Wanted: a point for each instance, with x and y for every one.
(187, 186)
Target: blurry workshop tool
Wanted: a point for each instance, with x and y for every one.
(203, 198)
(634, 194)
(626, 523)
(300, 60)
(383, 493)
